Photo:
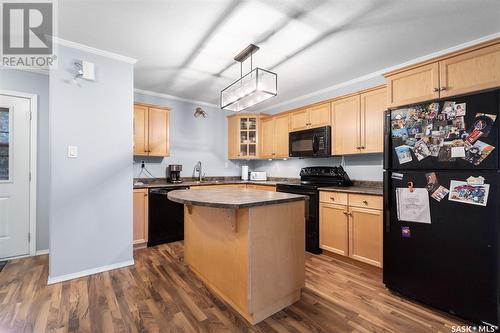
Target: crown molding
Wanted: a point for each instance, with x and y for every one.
(93, 50)
(381, 72)
(175, 98)
(25, 69)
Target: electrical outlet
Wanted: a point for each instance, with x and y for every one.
(143, 164)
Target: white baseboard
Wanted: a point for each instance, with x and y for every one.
(66, 277)
(42, 252)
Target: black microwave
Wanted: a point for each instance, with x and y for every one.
(314, 142)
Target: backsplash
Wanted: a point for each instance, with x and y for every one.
(359, 167)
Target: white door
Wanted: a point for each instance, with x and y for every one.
(14, 176)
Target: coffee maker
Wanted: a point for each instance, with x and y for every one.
(174, 173)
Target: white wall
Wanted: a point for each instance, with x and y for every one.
(90, 196)
(191, 140)
(34, 83)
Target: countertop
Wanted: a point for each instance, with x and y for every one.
(205, 182)
(233, 198)
(355, 189)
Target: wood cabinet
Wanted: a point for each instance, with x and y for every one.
(262, 187)
(365, 235)
(274, 137)
(310, 117)
(465, 71)
(346, 126)
(334, 228)
(413, 86)
(473, 71)
(243, 135)
(358, 123)
(151, 130)
(353, 228)
(141, 218)
(373, 105)
(232, 137)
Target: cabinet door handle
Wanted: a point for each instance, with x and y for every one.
(365, 202)
(362, 147)
(436, 89)
(332, 198)
(346, 213)
(442, 89)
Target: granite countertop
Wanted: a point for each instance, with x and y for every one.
(165, 184)
(233, 198)
(359, 187)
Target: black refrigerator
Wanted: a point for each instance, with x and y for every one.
(450, 263)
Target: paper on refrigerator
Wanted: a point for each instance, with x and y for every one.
(413, 206)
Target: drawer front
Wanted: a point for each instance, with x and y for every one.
(366, 201)
(333, 197)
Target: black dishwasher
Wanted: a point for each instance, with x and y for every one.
(166, 218)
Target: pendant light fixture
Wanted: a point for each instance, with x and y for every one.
(254, 87)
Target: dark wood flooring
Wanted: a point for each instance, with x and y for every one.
(159, 294)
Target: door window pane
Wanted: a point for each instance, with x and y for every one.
(4, 144)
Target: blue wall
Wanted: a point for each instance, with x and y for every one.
(91, 196)
(34, 83)
(191, 140)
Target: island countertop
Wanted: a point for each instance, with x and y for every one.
(233, 198)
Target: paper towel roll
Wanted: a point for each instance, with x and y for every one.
(244, 172)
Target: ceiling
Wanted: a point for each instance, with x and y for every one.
(185, 47)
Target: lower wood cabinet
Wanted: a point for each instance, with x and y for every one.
(141, 217)
(365, 235)
(353, 229)
(334, 228)
(262, 187)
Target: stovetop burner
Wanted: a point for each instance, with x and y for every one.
(324, 176)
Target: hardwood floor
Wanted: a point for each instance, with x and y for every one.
(159, 294)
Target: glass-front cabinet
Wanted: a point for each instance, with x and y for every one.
(243, 135)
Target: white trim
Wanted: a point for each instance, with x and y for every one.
(93, 50)
(33, 161)
(42, 252)
(385, 70)
(71, 276)
(175, 98)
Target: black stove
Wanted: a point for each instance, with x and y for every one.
(312, 178)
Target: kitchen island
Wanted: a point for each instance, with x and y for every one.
(246, 245)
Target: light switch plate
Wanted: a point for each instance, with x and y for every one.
(72, 151)
(88, 71)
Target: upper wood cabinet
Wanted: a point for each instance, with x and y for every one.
(413, 86)
(232, 137)
(268, 129)
(471, 71)
(243, 135)
(465, 71)
(314, 116)
(151, 130)
(373, 105)
(346, 126)
(358, 123)
(274, 137)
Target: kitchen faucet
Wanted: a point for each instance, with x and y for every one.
(197, 168)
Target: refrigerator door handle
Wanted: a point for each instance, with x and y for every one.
(386, 201)
(387, 139)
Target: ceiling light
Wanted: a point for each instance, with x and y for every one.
(254, 87)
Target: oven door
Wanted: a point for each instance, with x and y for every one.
(313, 142)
